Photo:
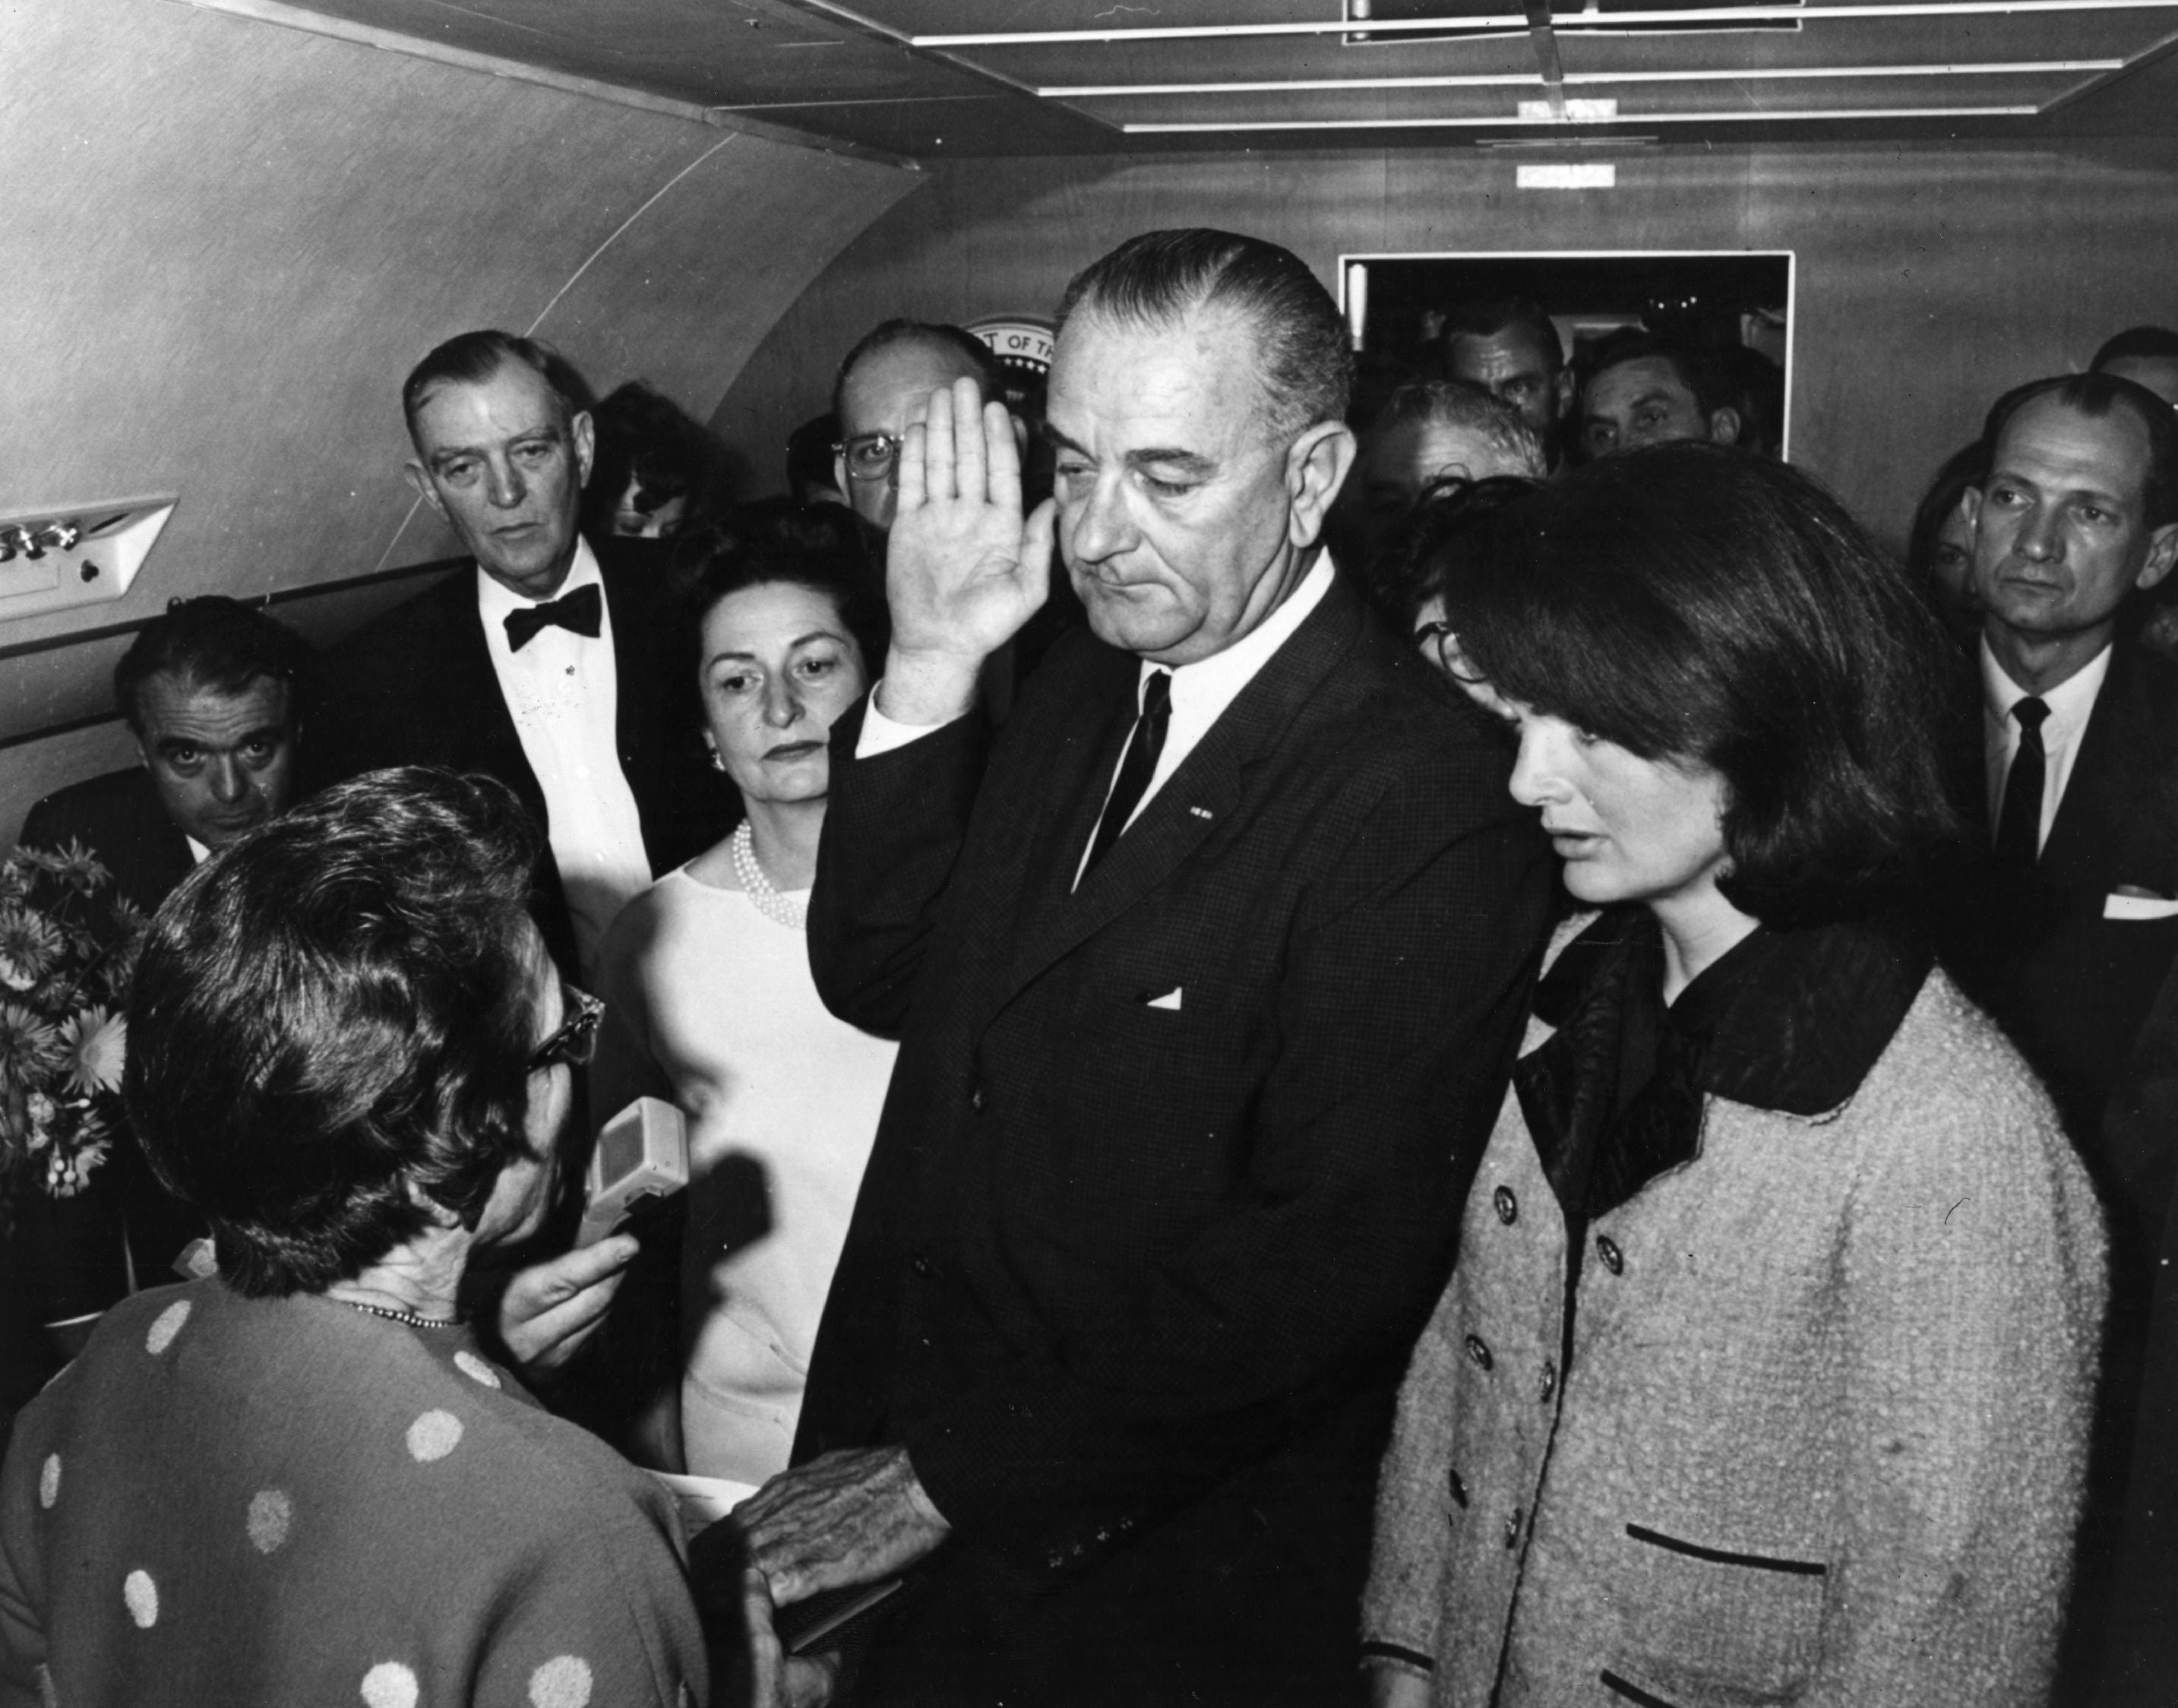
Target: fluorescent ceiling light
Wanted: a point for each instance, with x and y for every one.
(1514, 80)
(1612, 21)
(1570, 176)
(1777, 116)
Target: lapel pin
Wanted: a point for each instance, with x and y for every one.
(1200, 812)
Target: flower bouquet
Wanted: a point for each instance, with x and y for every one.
(67, 943)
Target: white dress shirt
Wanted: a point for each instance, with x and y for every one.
(2070, 703)
(1201, 691)
(562, 691)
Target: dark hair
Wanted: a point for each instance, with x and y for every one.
(1711, 609)
(470, 358)
(645, 437)
(990, 374)
(335, 1006)
(817, 546)
(1966, 467)
(2146, 343)
(809, 455)
(1489, 316)
(1425, 551)
(2095, 395)
(1696, 371)
(1159, 277)
(216, 643)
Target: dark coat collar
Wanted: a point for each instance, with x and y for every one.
(1788, 1020)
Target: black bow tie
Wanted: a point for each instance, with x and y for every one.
(583, 611)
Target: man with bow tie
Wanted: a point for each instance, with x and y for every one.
(538, 664)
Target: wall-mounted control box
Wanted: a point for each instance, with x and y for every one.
(81, 554)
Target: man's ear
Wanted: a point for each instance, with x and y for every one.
(1316, 467)
(584, 433)
(1562, 385)
(2162, 554)
(1724, 426)
(1970, 508)
(420, 479)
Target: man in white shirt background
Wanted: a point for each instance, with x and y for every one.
(539, 663)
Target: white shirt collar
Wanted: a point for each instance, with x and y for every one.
(2070, 702)
(495, 600)
(1202, 690)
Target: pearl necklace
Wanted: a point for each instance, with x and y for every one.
(408, 1317)
(765, 896)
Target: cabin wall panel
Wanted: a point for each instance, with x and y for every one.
(1928, 281)
(226, 241)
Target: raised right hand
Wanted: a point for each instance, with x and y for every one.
(964, 570)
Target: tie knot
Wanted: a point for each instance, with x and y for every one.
(2030, 712)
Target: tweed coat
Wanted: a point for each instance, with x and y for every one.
(1821, 1430)
(1132, 1283)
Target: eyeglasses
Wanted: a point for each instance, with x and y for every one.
(869, 455)
(577, 1040)
(1436, 639)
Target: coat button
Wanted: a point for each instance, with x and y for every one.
(1480, 1353)
(1607, 1248)
(1549, 1385)
(1508, 1207)
(921, 1265)
(1512, 1528)
(1458, 1490)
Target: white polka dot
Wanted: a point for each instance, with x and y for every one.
(49, 1482)
(166, 1326)
(433, 1435)
(268, 1512)
(562, 1683)
(476, 1369)
(389, 1684)
(142, 1595)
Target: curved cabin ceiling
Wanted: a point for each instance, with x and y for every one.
(934, 78)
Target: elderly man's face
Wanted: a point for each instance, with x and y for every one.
(1183, 518)
(1398, 464)
(1515, 370)
(2061, 529)
(504, 464)
(222, 764)
(886, 392)
(1644, 402)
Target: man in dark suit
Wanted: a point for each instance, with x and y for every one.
(1207, 970)
(540, 664)
(215, 694)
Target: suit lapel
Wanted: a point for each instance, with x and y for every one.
(471, 698)
(2114, 756)
(1198, 796)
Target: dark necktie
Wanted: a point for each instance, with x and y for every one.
(1137, 765)
(2019, 822)
(582, 611)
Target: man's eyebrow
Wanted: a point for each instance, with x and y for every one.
(1165, 457)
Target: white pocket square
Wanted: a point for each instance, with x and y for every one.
(2119, 906)
(1171, 997)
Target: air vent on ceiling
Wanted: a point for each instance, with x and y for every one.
(1590, 17)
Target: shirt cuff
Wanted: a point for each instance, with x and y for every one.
(881, 735)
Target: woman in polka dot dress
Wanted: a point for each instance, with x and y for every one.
(305, 1481)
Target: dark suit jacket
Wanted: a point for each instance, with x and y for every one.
(416, 687)
(75, 1253)
(1134, 1285)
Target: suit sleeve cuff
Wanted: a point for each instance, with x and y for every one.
(880, 734)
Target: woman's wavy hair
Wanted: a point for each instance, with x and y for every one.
(1709, 608)
(340, 1005)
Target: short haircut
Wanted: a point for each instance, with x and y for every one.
(2095, 396)
(1696, 371)
(817, 546)
(1714, 610)
(216, 643)
(809, 454)
(1425, 551)
(337, 1005)
(956, 341)
(471, 359)
(1454, 403)
(1489, 316)
(2143, 343)
(1966, 467)
(643, 437)
(1159, 278)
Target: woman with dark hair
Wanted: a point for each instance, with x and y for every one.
(1939, 549)
(1765, 1370)
(304, 1480)
(658, 472)
(712, 1004)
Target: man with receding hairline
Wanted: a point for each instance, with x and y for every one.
(1207, 969)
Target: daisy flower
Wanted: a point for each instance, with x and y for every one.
(97, 1043)
(28, 1048)
(28, 945)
